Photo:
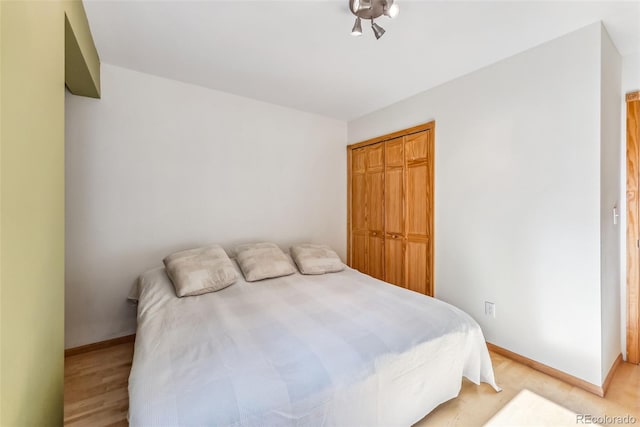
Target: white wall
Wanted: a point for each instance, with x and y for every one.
(631, 73)
(518, 197)
(630, 83)
(158, 165)
(610, 111)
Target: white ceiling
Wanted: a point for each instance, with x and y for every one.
(300, 54)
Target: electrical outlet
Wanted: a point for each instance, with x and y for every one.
(489, 309)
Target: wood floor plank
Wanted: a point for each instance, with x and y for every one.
(96, 392)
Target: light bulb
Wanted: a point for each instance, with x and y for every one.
(357, 28)
(392, 11)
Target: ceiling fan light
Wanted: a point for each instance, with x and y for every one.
(392, 11)
(378, 31)
(357, 28)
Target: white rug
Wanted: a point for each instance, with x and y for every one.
(529, 409)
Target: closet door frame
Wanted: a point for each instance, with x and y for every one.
(430, 126)
(633, 227)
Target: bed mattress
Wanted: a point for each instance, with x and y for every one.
(340, 349)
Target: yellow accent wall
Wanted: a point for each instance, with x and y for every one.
(0, 214)
(32, 85)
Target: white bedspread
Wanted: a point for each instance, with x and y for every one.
(340, 349)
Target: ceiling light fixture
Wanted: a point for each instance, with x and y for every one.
(372, 9)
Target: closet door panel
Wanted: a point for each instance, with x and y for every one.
(394, 152)
(358, 160)
(417, 146)
(376, 257)
(418, 194)
(375, 201)
(359, 251)
(375, 188)
(375, 157)
(359, 232)
(394, 204)
(358, 202)
(394, 187)
(375, 210)
(417, 278)
(394, 260)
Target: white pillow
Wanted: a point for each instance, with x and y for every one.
(201, 270)
(263, 261)
(316, 259)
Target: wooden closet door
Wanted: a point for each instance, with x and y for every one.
(359, 230)
(375, 210)
(391, 207)
(394, 211)
(419, 197)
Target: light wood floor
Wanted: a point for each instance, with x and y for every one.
(96, 392)
(95, 387)
(477, 404)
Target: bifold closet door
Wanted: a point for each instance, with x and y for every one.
(394, 211)
(418, 149)
(375, 210)
(359, 231)
(391, 207)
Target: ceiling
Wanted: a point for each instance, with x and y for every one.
(300, 54)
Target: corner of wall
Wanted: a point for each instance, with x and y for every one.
(611, 197)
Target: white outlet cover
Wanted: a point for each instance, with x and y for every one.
(489, 309)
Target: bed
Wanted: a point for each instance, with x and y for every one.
(340, 349)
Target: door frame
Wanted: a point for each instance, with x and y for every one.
(633, 226)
